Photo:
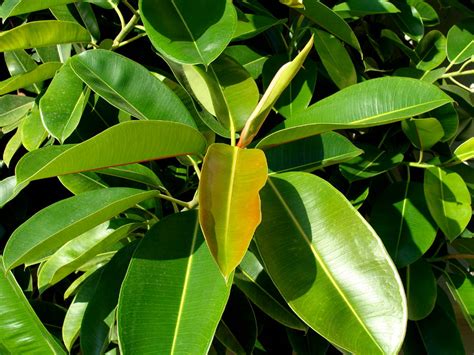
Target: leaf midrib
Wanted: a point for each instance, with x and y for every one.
(321, 262)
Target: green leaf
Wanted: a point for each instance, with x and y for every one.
(13, 108)
(401, 218)
(42, 34)
(141, 141)
(431, 50)
(366, 7)
(19, 62)
(75, 313)
(335, 59)
(177, 309)
(421, 290)
(371, 163)
(229, 204)
(44, 233)
(423, 132)
(99, 317)
(370, 103)
(12, 147)
(33, 132)
(448, 199)
(79, 250)
(7, 189)
(19, 7)
(323, 256)
(448, 117)
(460, 45)
(98, 69)
(277, 86)
(134, 172)
(41, 73)
(461, 287)
(465, 151)
(251, 279)
(311, 153)
(250, 25)
(409, 20)
(324, 17)
(252, 61)
(82, 182)
(62, 104)
(427, 12)
(225, 89)
(21, 332)
(191, 32)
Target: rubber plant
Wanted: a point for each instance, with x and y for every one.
(246, 176)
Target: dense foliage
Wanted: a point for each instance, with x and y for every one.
(249, 176)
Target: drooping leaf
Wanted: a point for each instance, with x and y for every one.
(13, 108)
(431, 50)
(79, 250)
(44, 233)
(423, 132)
(229, 204)
(62, 104)
(21, 332)
(191, 32)
(19, 62)
(323, 256)
(465, 151)
(277, 86)
(12, 147)
(421, 289)
(122, 83)
(371, 103)
(89, 19)
(99, 316)
(42, 34)
(335, 59)
(41, 73)
(251, 278)
(401, 218)
(139, 141)
(177, 309)
(33, 132)
(7, 189)
(460, 45)
(448, 199)
(311, 153)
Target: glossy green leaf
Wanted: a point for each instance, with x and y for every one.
(191, 32)
(427, 12)
(311, 153)
(41, 73)
(79, 250)
(229, 204)
(277, 86)
(99, 68)
(324, 17)
(465, 151)
(460, 45)
(57, 53)
(448, 200)
(19, 62)
(371, 163)
(335, 59)
(251, 279)
(250, 25)
(42, 34)
(178, 307)
(431, 50)
(225, 89)
(461, 287)
(62, 104)
(134, 172)
(44, 233)
(401, 218)
(409, 20)
(89, 19)
(140, 141)
(371, 103)
(12, 147)
(448, 117)
(82, 182)
(423, 132)
(13, 108)
(330, 266)
(21, 332)
(100, 314)
(19, 7)
(392, 38)
(366, 7)
(421, 289)
(299, 92)
(75, 313)
(7, 189)
(252, 61)
(33, 132)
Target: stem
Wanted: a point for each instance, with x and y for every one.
(460, 84)
(120, 16)
(130, 7)
(195, 166)
(174, 200)
(458, 73)
(420, 165)
(133, 39)
(232, 137)
(126, 30)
